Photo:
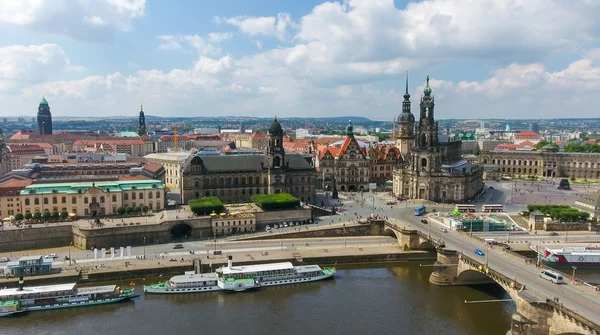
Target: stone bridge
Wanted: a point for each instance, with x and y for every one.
(535, 315)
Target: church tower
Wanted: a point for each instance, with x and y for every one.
(427, 130)
(406, 125)
(142, 123)
(275, 152)
(44, 118)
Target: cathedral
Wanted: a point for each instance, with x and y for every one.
(430, 166)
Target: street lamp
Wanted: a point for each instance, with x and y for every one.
(70, 245)
(573, 279)
(144, 247)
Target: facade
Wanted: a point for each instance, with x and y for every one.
(383, 161)
(173, 164)
(589, 203)
(91, 199)
(345, 165)
(132, 147)
(19, 155)
(10, 201)
(545, 163)
(232, 224)
(430, 168)
(29, 265)
(44, 118)
(234, 178)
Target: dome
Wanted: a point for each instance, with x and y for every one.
(427, 90)
(43, 101)
(406, 118)
(275, 129)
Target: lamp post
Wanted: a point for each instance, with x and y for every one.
(487, 253)
(334, 193)
(144, 247)
(573, 278)
(515, 277)
(70, 245)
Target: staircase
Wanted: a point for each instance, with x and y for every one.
(298, 257)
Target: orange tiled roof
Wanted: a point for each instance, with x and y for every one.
(113, 142)
(527, 135)
(26, 149)
(16, 183)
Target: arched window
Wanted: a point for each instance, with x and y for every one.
(157, 194)
(26, 202)
(141, 196)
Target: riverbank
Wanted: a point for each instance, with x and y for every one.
(118, 269)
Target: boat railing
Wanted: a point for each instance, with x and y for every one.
(239, 280)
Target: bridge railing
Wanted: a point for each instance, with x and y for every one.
(583, 320)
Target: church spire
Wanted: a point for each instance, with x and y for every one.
(427, 90)
(406, 95)
(142, 130)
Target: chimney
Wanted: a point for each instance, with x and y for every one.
(21, 283)
(229, 261)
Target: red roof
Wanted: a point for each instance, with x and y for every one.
(527, 135)
(113, 142)
(26, 149)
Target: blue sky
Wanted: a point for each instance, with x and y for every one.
(486, 58)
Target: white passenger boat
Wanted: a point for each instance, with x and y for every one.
(189, 282)
(246, 277)
(37, 298)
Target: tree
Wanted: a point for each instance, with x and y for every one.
(138, 209)
(37, 215)
(28, 215)
(129, 210)
(382, 137)
(544, 143)
(477, 151)
(18, 217)
(121, 210)
(574, 147)
(64, 214)
(55, 215)
(145, 209)
(46, 216)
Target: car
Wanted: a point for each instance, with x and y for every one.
(4, 259)
(444, 230)
(479, 252)
(491, 188)
(276, 226)
(51, 256)
(108, 251)
(553, 233)
(267, 228)
(178, 246)
(423, 220)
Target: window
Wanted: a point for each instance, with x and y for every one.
(132, 196)
(157, 194)
(73, 200)
(101, 200)
(54, 200)
(85, 200)
(114, 198)
(45, 201)
(125, 196)
(149, 195)
(141, 196)
(63, 200)
(26, 202)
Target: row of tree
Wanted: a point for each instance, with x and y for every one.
(563, 213)
(63, 215)
(572, 146)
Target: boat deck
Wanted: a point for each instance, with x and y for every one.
(96, 289)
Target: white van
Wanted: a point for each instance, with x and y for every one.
(552, 276)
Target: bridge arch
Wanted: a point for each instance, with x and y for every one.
(473, 277)
(180, 232)
(426, 245)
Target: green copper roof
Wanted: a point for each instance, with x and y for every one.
(106, 186)
(129, 134)
(43, 101)
(427, 90)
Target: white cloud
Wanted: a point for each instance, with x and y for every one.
(345, 58)
(261, 26)
(96, 21)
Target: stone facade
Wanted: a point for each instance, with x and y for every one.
(430, 168)
(173, 163)
(545, 164)
(235, 178)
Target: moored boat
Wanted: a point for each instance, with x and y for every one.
(37, 298)
(189, 282)
(247, 277)
(567, 257)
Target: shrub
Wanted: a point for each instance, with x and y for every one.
(138, 209)
(129, 210)
(562, 213)
(37, 215)
(275, 201)
(145, 209)
(121, 210)
(46, 216)
(18, 217)
(55, 215)
(205, 205)
(28, 215)
(64, 215)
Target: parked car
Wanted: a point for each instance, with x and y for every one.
(444, 230)
(178, 246)
(267, 228)
(479, 252)
(423, 220)
(553, 233)
(51, 256)
(276, 226)
(4, 259)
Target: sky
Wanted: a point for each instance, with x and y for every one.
(486, 58)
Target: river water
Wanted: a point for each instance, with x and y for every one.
(367, 299)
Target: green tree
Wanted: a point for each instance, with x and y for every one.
(55, 215)
(129, 210)
(145, 209)
(544, 143)
(46, 216)
(477, 151)
(383, 137)
(18, 217)
(121, 210)
(574, 147)
(64, 214)
(37, 215)
(28, 215)
(138, 209)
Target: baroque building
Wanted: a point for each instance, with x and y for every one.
(344, 165)
(236, 178)
(430, 166)
(44, 118)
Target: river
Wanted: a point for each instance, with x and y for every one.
(363, 299)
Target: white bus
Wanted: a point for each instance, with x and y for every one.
(552, 276)
(466, 208)
(492, 208)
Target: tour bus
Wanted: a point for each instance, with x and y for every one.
(420, 210)
(466, 208)
(492, 208)
(552, 276)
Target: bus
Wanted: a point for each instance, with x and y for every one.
(552, 276)
(492, 208)
(420, 210)
(466, 208)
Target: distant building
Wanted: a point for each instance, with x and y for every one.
(141, 130)
(534, 127)
(589, 203)
(44, 118)
(29, 265)
(302, 133)
(173, 164)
